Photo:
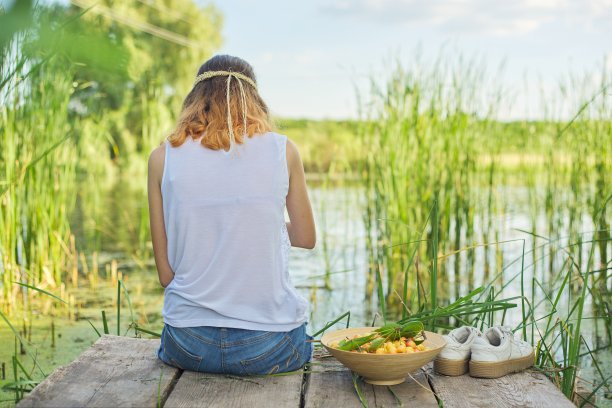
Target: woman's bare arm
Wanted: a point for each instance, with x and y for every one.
(301, 225)
(156, 216)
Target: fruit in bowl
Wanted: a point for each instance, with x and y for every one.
(384, 355)
(380, 346)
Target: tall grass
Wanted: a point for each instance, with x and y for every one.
(59, 163)
(439, 173)
(433, 175)
(433, 137)
(38, 181)
(425, 137)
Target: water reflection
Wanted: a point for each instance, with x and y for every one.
(333, 276)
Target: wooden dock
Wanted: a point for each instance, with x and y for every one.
(125, 372)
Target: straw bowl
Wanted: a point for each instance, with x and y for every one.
(382, 369)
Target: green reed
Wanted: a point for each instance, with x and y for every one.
(553, 324)
(429, 142)
(59, 163)
(38, 180)
(424, 141)
(432, 172)
(431, 162)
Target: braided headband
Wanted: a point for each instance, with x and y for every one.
(239, 77)
(210, 74)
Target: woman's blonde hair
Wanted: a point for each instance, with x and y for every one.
(205, 109)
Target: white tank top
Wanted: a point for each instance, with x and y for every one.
(227, 240)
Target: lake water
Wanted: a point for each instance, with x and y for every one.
(340, 255)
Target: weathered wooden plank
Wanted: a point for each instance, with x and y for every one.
(331, 385)
(115, 371)
(121, 371)
(214, 390)
(526, 389)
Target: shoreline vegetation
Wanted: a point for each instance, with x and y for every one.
(437, 187)
(325, 142)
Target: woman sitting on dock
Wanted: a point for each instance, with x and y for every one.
(218, 189)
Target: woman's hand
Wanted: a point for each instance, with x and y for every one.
(301, 225)
(156, 216)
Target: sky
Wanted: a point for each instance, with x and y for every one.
(312, 57)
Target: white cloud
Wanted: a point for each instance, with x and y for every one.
(478, 16)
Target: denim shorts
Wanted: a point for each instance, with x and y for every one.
(235, 351)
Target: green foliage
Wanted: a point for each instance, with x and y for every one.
(81, 101)
(430, 149)
(87, 93)
(323, 143)
(61, 32)
(34, 217)
(18, 17)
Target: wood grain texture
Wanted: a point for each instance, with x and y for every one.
(115, 371)
(334, 388)
(525, 389)
(124, 372)
(213, 390)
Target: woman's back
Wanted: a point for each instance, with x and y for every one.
(220, 240)
(227, 240)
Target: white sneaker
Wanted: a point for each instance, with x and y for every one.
(453, 359)
(497, 353)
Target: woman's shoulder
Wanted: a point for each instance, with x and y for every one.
(158, 154)
(156, 159)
